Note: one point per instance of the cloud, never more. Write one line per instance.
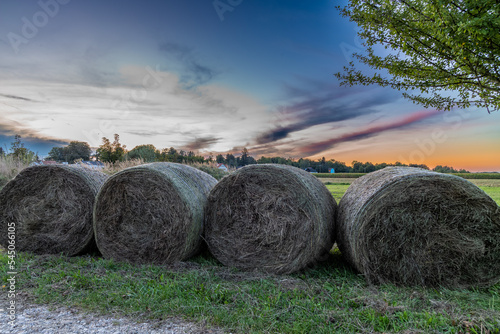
(16, 97)
(179, 50)
(33, 140)
(317, 109)
(193, 72)
(315, 148)
(201, 143)
(10, 128)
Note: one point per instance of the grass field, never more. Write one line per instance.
(329, 298)
(326, 299)
(339, 186)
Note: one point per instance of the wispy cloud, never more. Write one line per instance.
(315, 148)
(211, 117)
(194, 73)
(201, 143)
(35, 141)
(16, 97)
(321, 108)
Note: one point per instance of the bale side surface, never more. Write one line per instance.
(152, 213)
(411, 226)
(273, 218)
(51, 208)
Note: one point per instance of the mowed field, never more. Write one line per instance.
(339, 186)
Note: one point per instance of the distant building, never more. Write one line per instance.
(222, 167)
(310, 170)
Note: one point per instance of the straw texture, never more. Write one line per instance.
(51, 208)
(152, 213)
(272, 218)
(412, 226)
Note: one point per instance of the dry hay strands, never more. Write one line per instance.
(411, 226)
(49, 209)
(273, 218)
(152, 213)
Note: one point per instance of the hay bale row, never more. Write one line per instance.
(152, 213)
(411, 226)
(274, 218)
(402, 225)
(51, 209)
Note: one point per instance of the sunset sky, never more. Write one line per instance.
(215, 76)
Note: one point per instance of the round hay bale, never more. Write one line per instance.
(412, 226)
(50, 209)
(152, 213)
(273, 218)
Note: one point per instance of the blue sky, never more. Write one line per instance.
(214, 76)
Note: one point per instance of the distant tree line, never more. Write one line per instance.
(114, 151)
(234, 162)
(19, 152)
(73, 152)
(322, 165)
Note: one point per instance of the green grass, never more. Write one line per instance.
(339, 175)
(356, 175)
(337, 190)
(490, 186)
(473, 176)
(325, 299)
(494, 192)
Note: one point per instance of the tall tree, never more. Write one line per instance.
(231, 160)
(105, 151)
(111, 152)
(119, 150)
(21, 153)
(435, 46)
(77, 150)
(244, 157)
(219, 158)
(57, 154)
(148, 153)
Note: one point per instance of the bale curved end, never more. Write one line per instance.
(412, 226)
(273, 218)
(152, 213)
(50, 209)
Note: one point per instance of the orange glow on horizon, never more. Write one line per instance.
(470, 157)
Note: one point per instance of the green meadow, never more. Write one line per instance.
(338, 186)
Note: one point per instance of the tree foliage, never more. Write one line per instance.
(435, 46)
(57, 154)
(447, 169)
(148, 153)
(76, 150)
(111, 152)
(21, 153)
